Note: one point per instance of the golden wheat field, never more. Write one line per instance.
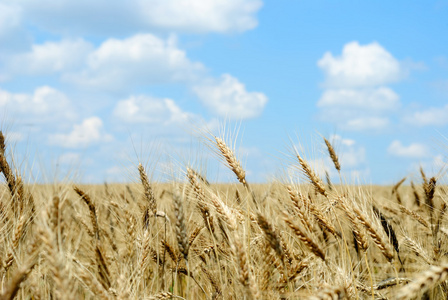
(193, 239)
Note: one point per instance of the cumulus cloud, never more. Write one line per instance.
(377, 99)
(228, 97)
(437, 116)
(90, 131)
(360, 66)
(202, 15)
(51, 57)
(145, 109)
(355, 96)
(122, 17)
(359, 109)
(366, 123)
(140, 59)
(46, 104)
(414, 150)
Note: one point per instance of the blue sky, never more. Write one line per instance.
(90, 89)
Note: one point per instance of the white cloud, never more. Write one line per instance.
(414, 150)
(366, 123)
(10, 17)
(360, 66)
(431, 116)
(51, 57)
(145, 109)
(90, 131)
(358, 109)
(44, 105)
(202, 15)
(229, 98)
(122, 17)
(378, 99)
(140, 59)
(355, 97)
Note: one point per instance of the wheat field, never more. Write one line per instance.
(192, 239)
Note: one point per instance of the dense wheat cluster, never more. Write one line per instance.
(192, 239)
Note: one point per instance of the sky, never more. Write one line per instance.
(89, 89)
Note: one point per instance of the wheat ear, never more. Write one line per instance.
(424, 282)
(6, 169)
(103, 269)
(374, 234)
(18, 277)
(389, 230)
(416, 195)
(315, 180)
(2, 143)
(297, 199)
(271, 236)
(148, 192)
(333, 155)
(418, 250)
(358, 234)
(397, 185)
(235, 166)
(245, 277)
(429, 189)
(200, 195)
(331, 293)
(414, 215)
(92, 210)
(181, 228)
(18, 233)
(424, 178)
(312, 246)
